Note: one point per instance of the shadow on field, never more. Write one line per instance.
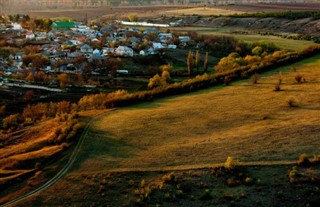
(99, 145)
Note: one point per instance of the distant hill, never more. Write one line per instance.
(24, 5)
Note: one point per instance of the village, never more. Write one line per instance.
(75, 48)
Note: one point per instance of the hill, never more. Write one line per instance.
(130, 152)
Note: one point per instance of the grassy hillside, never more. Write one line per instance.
(288, 44)
(161, 153)
(248, 121)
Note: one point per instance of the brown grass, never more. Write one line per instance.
(208, 126)
(203, 11)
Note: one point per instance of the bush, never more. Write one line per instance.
(255, 78)
(231, 163)
(293, 175)
(298, 78)
(303, 160)
(206, 195)
(277, 87)
(292, 102)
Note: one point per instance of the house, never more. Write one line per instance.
(184, 39)
(74, 54)
(40, 36)
(16, 26)
(157, 45)
(165, 37)
(124, 51)
(150, 30)
(172, 46)
(30, 35)
(108, 51)
(75, 42)
(150, 51)
(16, 56)
(86, 48)
(96, 52)
(63, 25)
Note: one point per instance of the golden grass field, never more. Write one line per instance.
(289, 44)
(205, 11)
(250, 122)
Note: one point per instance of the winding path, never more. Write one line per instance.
(82, 138)
(61, 173)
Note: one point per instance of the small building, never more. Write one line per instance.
(157, 45)
(63, 25)
(30, 35)
(96, 52)
(124, 51)
(86, 48)
(184, 39)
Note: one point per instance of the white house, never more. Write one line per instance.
(96, 52)
(184, 39)
(30, 35)
(86, 48)
(172, 46)
(157, 45)
(107, 51)
(75, 42)
(124, 51)
(16, 26)
(149, 51)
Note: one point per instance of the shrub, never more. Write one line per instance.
(230, 163)
(232, 182)
(277, 87)
(292, 102)
(248, 181)
(298, 78)
(303, 160)
(169, 178)
(255, 78)
(293, 175)
(206, 195)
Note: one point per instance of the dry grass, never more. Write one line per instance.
(245, 121)
(204, 11)
(288, 44)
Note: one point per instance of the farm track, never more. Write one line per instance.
(61, 173)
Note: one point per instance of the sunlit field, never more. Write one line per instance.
(250, 122)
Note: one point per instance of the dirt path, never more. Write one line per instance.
(62, 172)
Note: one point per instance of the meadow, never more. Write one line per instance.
(250, 122)
(289, 44)
(167, 152)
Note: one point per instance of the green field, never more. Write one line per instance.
(288, 44)
(250, 122)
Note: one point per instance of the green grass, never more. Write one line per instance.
(288, 44)
(249, 122)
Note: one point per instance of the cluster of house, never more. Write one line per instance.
(69, 40)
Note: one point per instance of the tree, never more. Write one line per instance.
(205, 64)
(28, 95)
(190, 63)
(11, 121)
(63, 80)
(2, 110)
(155, 81)
(78, 79)
(133, 18)
(197, 60)
(30, 77)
